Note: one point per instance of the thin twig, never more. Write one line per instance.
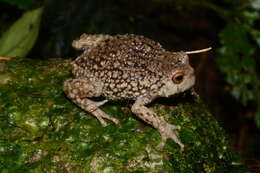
(4, 58)
(198, 51)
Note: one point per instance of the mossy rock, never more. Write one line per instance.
(43, 131)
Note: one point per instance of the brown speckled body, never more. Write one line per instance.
(128, 67)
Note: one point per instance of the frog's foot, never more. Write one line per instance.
(167, 132)
(100, 115)
(93, 108)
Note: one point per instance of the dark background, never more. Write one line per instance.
(230, 28)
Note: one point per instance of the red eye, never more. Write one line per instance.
(178, 78)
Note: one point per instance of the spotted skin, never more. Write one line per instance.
(128, 67)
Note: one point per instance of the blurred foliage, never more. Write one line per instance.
(91, 16)
(24, 4)
(18, 40)
(239, 42)
(43, 131)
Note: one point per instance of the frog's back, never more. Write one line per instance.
(128, 65)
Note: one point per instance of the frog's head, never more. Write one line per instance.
(181, 75)
(180, 78)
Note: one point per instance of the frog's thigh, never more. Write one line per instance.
(81, 88)
(78, 90)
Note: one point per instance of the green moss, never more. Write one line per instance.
(42, 131)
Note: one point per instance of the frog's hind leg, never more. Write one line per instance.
(78, 90)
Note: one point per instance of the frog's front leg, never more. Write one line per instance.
(78, 90)
(166, 130)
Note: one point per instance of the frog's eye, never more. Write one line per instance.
(178, 77)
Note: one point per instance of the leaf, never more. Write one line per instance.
(255, 4)
(256, 35)
(18, 40)
(257, 118)
(23, 5)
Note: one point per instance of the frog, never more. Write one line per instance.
(128, 67)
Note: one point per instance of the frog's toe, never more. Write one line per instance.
(167, 131)
(98, 104)
(101, 115)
